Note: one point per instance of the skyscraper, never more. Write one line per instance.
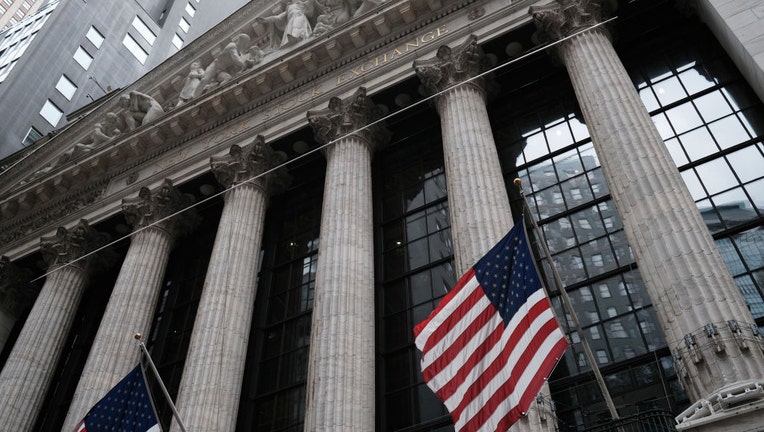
(66, 55)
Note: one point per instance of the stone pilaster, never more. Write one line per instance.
(340, 393)
(477, 195)
(29, 369)
(133, 300)
(16, 295)
(212, 376)
(702, 312)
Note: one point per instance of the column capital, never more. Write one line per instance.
(16, 292)
(69, 245)
(151, 206)
(243, 163)
(562, 18)
(347, 116)
(452, 66)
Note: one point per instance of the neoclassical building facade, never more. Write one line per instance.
(277, 205)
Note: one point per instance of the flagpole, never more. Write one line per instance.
(569, 307)
(161, 384)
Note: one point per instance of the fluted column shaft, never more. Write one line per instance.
(683, 271)
(130, 309)
(341, 391)
(28, 372)
(133, 300)
(211, 384)
(340, 378)
(477, 194)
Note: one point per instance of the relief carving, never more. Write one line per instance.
(139, 109)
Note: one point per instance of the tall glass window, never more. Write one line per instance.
(713, 125)
(542, 138)
(415, 267)
(273, 394)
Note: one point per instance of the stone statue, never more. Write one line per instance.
(193, 79)
(254, 56)
(112, 125)
(297, 27)
(139, 109)
(292, 24)
(229, 62)
(274, 27)
(333, 13)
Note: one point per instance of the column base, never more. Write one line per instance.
(736, 407)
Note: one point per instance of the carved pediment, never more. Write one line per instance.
(231, 70)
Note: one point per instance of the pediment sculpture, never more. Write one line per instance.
(287, 23)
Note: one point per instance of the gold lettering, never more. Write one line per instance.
(289, 103)
(340, 79)
(427, 37)
(363, 66)
(442, 30)
(414, 44)
(302, 97)
(314, 92)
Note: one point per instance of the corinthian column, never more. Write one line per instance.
(702, 312)
(340, 393)
(133, 300)
(477, 196)
(29, 369)
(211, 383)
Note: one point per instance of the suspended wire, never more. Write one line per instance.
(321, 147)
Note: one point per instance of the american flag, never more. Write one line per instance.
(493, 340)
(126, 408)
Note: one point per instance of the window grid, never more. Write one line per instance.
(279, 397)
(417, 271)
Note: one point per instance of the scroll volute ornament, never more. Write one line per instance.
(452, 66)
(68, 246)
(354, 115)
(152, 207)
(564, 17)
(246, 164)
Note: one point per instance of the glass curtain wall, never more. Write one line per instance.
(273, 393)
(414, 270)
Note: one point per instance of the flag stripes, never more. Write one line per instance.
(485, 366)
